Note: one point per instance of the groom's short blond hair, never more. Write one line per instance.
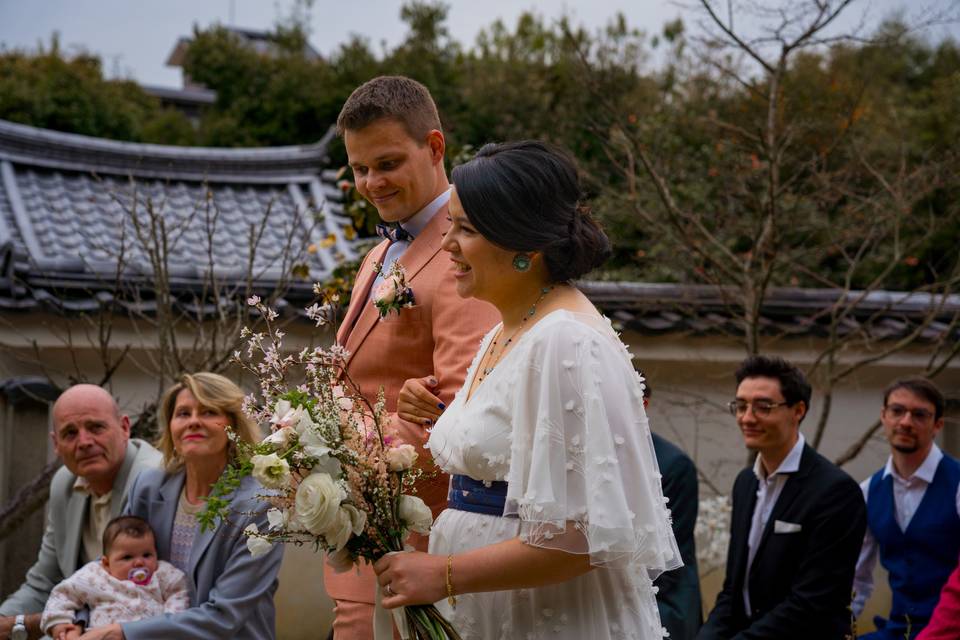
(391, 98)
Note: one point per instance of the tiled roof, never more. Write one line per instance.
(704, 310)
(71, 206)
(68, 204)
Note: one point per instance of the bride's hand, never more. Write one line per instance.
(417, 404)
(411, 577)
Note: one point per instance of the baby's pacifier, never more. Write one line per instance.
(139, 575)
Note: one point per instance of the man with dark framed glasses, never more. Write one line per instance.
(797, 525)
(913, 511)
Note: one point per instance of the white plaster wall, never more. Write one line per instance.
(692, 380)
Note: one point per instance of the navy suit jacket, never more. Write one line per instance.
(801, 581)
(678, 597)
(231, 592)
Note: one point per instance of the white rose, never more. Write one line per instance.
(281, 438)
(401, 457)
(271, 471)
(415, 514)
(256, 544)
(386, 292)
(341, 560)
(339, 534)
(318, 502)
(277, 518)
(350, 521)
(358, 519)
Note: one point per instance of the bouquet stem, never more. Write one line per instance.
(426, 623)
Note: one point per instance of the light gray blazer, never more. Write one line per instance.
(59, 553)
(231, 593)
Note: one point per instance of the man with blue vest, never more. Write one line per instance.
(913, 511)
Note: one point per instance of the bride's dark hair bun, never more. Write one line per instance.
(526, 196)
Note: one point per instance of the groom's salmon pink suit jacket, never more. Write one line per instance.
(438, 336)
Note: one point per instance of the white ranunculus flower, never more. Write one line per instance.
(281, 438)
(358, 519)
(318, 502)
(350, 522)
(256, 544)
(277, 518)
(341, 561)
(401, 457)
(339, 534)
(415, 514)
(271, 471)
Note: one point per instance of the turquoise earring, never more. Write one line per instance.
(521, 262)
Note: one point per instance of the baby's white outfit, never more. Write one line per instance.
(112, 600)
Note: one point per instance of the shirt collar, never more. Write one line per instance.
(419, 221)
(81, 485)
(925, 471)
(790, 464)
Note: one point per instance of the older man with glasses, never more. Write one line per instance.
(913, 511)
(797, 525)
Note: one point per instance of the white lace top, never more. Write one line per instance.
(561, 420)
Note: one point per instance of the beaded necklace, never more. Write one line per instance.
(523, 323)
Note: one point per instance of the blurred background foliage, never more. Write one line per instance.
(859, 110)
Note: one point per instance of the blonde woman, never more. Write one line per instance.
(232, 592)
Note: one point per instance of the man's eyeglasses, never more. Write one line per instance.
(898, 411)
(760, 407)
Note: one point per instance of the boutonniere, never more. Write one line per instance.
(393, 293)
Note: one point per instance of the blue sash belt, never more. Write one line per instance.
(467, 494)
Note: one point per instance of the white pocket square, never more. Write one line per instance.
(779, 526)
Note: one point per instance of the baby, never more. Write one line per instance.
(128, 583)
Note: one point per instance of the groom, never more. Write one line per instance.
(395, 147)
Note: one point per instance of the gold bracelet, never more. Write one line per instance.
(451, 599)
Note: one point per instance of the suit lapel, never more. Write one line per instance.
(76, 510)
(164, 509)
(123, 480)
(200, 544)
(424, 247)
(359, 297)
(740, 529)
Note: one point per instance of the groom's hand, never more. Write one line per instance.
(417, 404)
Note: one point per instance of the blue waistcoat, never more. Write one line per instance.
(920, 559)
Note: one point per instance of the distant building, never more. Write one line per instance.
(192, 96)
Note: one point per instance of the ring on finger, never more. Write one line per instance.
(389, 590)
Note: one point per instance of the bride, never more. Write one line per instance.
(556, 523)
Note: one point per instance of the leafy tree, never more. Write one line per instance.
(53, 91)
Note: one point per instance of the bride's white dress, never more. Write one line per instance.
(561, 420)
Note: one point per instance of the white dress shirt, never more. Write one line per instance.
(768, 492)
(412, 225)
(98, 515)
(907, 494)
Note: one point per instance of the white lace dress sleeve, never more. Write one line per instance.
(583, 476)
(561, 420)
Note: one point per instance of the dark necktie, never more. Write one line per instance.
(393, 232)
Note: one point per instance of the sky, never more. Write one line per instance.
(135, 37)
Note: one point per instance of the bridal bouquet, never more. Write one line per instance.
(338, 479)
